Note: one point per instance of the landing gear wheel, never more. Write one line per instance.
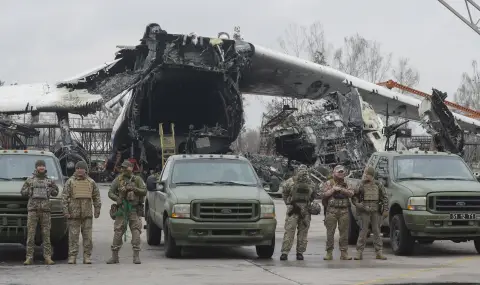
(353, 229)
(154, 233)
(266, 251)
(426, 241)
(477, 245)
(60, 249)
(401, 241)
(171, 248)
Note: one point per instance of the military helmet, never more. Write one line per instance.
(314, 208)
(370, 171)
(126, 164)
(40, 162)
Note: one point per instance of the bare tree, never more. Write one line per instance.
(293, 40)
(404, 74)
(468, 93)
(362, 58)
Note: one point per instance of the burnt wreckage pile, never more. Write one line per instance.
(329, 133)
(187, 80)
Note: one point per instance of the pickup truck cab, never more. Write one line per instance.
(433, 196)
(15, 167)
(209, 200)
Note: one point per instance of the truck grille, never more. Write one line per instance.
(13, 205)
(450, 203)
(225, 212)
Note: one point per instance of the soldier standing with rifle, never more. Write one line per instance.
(297, 193)
(371, 201)
(127, 191)
(335, 196)
(39, 188)
(79, 195)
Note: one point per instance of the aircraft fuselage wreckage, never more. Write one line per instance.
(183, 92)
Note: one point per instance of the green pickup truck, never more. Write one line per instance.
(15, 167)
(433, 196)
(209, 200)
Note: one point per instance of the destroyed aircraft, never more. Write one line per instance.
(187, 80)
(194, 82)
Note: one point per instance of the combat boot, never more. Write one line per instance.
(136, 257)
(28, 261)
(329, 255)
(72, 259)
(299, 256)
(344, 255)
(114, 258)
(359, 256)
(380, 256)
(49, 261)
(283, 256)
(87, 259)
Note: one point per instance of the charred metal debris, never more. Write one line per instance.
(163, 67)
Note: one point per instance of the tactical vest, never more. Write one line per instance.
(371, 196)
(82, 189)
(301, 192)
(338, 200)
(40, 188)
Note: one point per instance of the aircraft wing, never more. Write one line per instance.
(277, 74)
(82, 94)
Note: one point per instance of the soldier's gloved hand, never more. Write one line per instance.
(385, 214)
(119, 201)
(96, 214)
(129, 187)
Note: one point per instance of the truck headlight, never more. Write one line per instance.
(417, 204)
(181, 211)
(267, 211)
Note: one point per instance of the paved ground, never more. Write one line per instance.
(440, 262)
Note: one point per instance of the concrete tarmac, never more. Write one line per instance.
(442, 261)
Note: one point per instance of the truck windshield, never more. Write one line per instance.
(431, 168)
(19, 166)
(214, 171)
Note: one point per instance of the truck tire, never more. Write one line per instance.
(154, 233)
(401, 241)
(353, 229)
(266, 251)
(477, 245)
(171, 248)
(60, 249)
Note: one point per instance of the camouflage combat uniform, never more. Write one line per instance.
(371, 201)
(79, 194)
(39, 188)
(298, 192)
(335, 196)
(128, 191)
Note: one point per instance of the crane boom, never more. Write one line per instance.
(470, 5)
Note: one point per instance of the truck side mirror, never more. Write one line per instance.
(151, 183)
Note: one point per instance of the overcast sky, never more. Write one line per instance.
(47, 41)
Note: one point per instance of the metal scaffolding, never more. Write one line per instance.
(471, 6)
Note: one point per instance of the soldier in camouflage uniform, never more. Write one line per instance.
(335, 196)
(371, 201)
(298, 192)
(39, 188)
(128, 191)
(79, 194)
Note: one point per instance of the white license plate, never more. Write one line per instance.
(463, 216)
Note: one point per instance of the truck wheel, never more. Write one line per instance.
(477, 245)
(154, 233)
(266, 251)
(171, 248)
(60, 249)
(353, 229)
(401, 240)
